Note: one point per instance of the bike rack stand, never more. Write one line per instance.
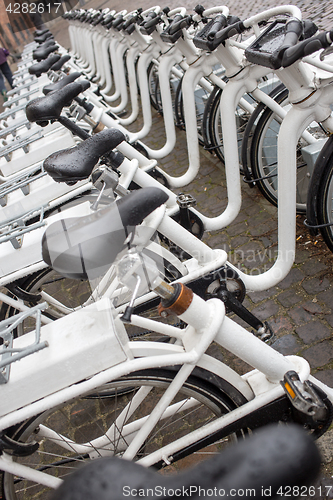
(8, 354)
(14, 230)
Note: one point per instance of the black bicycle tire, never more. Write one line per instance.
(249, 130)
(257, 173)
(153, 79)
(216, 140)
(206, 119)
(324, 188)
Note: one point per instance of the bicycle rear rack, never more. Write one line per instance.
(9, 354)
(13, 129)
(20, 97)
(15, 230)
(20, 143)
(21, 87)
(20, 181)
(10, 112)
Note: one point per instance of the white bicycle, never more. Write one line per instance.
(81, 390)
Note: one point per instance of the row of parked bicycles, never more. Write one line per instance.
(110, 298)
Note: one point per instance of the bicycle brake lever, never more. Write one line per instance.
(326, 52)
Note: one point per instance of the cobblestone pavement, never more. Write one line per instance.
(300, 308)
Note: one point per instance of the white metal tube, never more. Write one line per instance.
(275, 11)
(190, 79)
(107, 69)
(113, 435)
(187, 241)
(114, 64)
(279, 111)
(9, 278)
(120, 78)
(206, 331)
(97, 380)
(220, 9)
(163, 403)
(8, 465)
(164, 69)
(292, 126)
(253, 351)
(16, 304)
(172, 410)
(133, 86)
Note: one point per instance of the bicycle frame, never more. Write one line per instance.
(234, 88)
(260, 386)
(206, 323)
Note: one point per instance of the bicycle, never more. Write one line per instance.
(281, 268)
(282, 265)
(233, 403)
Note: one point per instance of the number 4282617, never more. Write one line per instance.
(32, 8)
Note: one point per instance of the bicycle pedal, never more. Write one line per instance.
(306, 398)
(186, 200)
(265, 333)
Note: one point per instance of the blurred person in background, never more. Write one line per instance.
(5, 71)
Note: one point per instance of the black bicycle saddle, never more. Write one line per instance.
(42, 53)
(49, 107)
(43, 66)
(49, 42)
(75, 164)
(52, 87)
(58, 65)
(42, 38)
(85, 247)
(39, 33)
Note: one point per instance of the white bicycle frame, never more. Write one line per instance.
(39, 384)
(286, 249)
(167, 57)
(206, 322)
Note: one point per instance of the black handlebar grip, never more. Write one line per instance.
(234, 29)
(294, 30)
(199, 9)
(150, 16)
(152, 22)
(233, 20)
(118, 21)
(130, 20)
(175, 20)
(107, 19)
(183, 23)
(307, 47)
(219, 22)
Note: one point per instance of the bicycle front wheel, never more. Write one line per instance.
(215, 126)
(264, 156)
(105, 422)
